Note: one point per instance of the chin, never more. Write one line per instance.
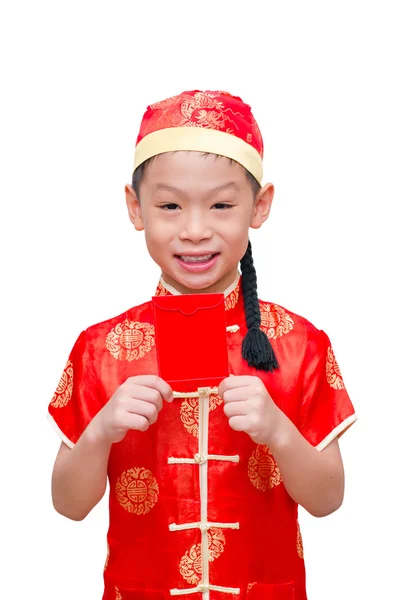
(199, 283)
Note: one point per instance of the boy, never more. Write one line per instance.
(204, 493)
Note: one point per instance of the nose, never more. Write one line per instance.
(195, 227)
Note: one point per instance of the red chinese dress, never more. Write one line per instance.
(198, 510)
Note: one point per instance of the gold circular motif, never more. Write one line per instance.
(130, 340)
(263, 471)
(274, 320)
(190, 412)
(137, 490)
(334, 376)
(190, 566)
(299, 544)
(190, 415)
(63, 393)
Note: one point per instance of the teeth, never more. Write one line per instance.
(194, 259)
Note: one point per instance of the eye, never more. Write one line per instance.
(170, 206)
(222, 206)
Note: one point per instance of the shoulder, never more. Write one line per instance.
(136, 318)
(277, 321)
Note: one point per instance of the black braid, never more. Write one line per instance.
(257, 349)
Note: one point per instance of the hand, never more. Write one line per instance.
(250, 408)
(135, 405)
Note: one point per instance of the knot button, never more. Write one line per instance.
(200, 458)
(204, 391)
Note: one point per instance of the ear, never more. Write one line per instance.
(134, 209)
(263, 203)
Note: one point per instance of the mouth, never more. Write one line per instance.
(197, 263)
(196, 258)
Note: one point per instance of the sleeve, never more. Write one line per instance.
(77, 398)
(326, 411)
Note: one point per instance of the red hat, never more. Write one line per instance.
(214, 122)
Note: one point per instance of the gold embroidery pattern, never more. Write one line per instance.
(190, 566)
(130, 340)
(232, 298)
(107, 557)
(190, 412)
(63, 393)
(216, 543)
(137, 490)
(334, 376)
(299, 544)
(274, 320)
(118, 595)
(185, 110)
(161, 291)
(263, 471)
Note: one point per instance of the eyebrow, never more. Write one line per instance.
(172, 188)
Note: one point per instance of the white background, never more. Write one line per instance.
(76, 78)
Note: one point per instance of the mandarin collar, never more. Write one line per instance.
(232, 293)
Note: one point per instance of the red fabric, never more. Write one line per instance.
(206, 109)
(264, 557)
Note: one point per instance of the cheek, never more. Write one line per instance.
(236, 237)
(236, 229)
(157, 235)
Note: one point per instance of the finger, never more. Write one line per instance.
(239, 394)
(237, 381)
(155, 382)
(141, 392)
(235, 409)
(143, 409)
(240, 423)
(137, 422)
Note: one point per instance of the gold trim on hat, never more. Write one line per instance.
(198, 139)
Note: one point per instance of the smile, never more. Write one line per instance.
(196, 259)
(197, 263)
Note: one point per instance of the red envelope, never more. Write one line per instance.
(191, 340)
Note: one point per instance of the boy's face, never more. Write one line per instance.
(196, 212)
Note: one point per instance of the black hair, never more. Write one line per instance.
(257, 349)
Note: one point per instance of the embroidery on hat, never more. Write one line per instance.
(334, 376)
(64, 390)
(200, 110)
(137, 490)
(130, 340)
